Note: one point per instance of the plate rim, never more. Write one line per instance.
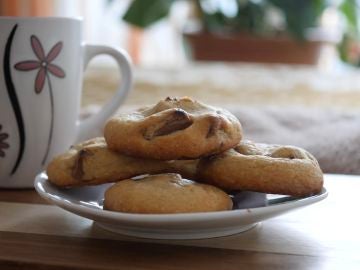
(169, 218)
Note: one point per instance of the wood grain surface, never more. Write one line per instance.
(23, 195)
(37, 235)
(56, 252)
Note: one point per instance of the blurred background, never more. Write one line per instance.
(288, 69)
(167, 33)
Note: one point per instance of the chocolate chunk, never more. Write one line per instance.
(175, 121)
(171, 99)
(78, 170)
(178, 120)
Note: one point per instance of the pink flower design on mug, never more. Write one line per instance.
(3, 144)
(45, 68)
(43, 64)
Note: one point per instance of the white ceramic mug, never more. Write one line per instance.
(42, 62)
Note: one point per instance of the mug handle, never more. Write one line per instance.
(85, 128)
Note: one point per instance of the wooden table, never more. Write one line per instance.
(36, 235)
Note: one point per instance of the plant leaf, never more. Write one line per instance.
(143, 13)
(300, 15)
(349, 10)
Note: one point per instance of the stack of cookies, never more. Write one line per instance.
(152, 152)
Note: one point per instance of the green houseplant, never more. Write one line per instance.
(248, 33)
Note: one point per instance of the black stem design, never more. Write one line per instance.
(14, 99)
(52, 119)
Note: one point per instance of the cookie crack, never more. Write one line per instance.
(216, 124)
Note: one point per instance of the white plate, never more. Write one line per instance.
(87, 202)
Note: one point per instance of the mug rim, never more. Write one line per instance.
(47, 18)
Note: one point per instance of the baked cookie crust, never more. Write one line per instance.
(174, 129)
(165, 194)
(267, 168)
(92, 163)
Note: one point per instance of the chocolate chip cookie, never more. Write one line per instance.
(165, 194)
(92, 163)
(173, 129)
(264, 168)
